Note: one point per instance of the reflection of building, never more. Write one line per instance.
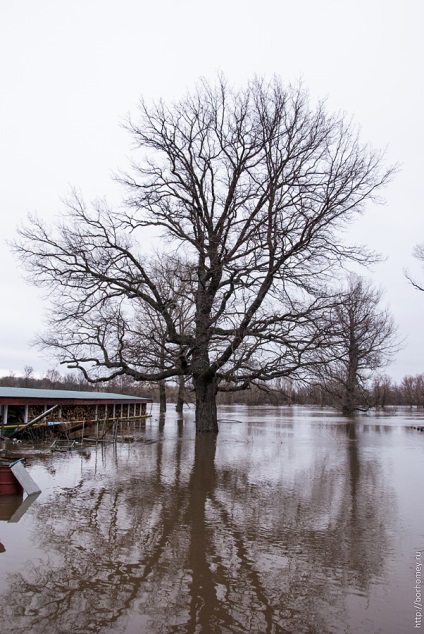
(20, 407)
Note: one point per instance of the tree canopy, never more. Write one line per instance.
(249, 190)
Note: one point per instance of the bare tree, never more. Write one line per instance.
(28, 376)
(362, 338)
(412, 390)
(418, 252)
(382, 391)
(251, 187)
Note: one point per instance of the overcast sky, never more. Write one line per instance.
(72, 71)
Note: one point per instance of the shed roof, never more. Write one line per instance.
(25, 395)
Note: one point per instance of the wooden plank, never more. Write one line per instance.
(24, 479)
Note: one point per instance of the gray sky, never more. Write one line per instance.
(72, 71)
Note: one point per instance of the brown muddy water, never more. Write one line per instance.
(291, 520)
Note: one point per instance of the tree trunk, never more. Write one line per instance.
(350, 390)
(162, 397)
(162, 388)
(348, 407)
(206, 412)
(350, 400)
(181, 392)
(351, 385)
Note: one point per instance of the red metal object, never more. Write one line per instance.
(9, 485)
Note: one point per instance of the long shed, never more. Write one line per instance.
(21, 406)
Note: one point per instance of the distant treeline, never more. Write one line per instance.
(381, 392)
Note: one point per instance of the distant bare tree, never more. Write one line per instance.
(382, 390)
(251, 187)
(27, 378)
(418, 252)
(412, 390)
(362, 338)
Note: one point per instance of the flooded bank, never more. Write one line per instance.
(291, 520)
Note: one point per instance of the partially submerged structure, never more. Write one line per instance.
(22, 409)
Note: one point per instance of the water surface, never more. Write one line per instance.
(291, 520)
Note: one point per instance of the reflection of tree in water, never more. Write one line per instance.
(308, 544)
(103, 542)
(195, 547)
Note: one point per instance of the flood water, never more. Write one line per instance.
(291, 520)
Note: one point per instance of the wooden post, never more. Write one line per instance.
(104, 422)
